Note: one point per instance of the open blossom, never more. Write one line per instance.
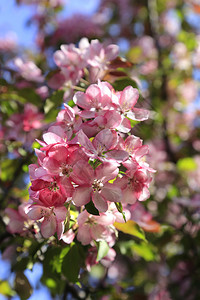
(102, 146)
(93, 227)
(18, 218)
(52, 219)
(28, 70)
(101, 96)
(66, 123)
(94, 184)
(71, 62)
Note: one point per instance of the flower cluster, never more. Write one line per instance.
(72, 62)
(87, 167)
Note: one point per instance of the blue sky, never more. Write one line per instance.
(13, 18)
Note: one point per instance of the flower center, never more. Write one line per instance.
(97, 185)
(65, 170)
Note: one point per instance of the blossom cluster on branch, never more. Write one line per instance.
(91, 169)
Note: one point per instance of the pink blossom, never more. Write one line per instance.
(100, 55)
(71, 61)
(52, 219)
(102, 146)
(17, 219)
(96, 98)
(28, 70)
(67, 122)
(93, 184)
(53, 192)
(134, 184)
(93, 227)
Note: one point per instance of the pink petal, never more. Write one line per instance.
(132, 142)
(96, 231)
(105, 140)
(68, 236)
(48, 227)
(83, 173)
(128, 98)
(60, 229)
(99, 202)
(138, 114)
(51, 165)
(111, 52)
(106, 171)
(125, 125)
(94, 93)
(82, 217)
(105, 219)
(85, 142)
(37, 212)
(144, 195)
(52, 138)
(83, 235)
(118, 155)
(61, 213)
(141, 151)
(128, 197)
(111, 193)
(82, 195)
(82, 100)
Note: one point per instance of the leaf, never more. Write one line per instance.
(30, 96)
(121, 83)
(102, 250)
(130, 227)
(52, 104)
(51, 263)
(186, 164)
(8, 167)
(22, 286)
(120, 62)
(72, 263)
(144, 250)
(151, 226)
(91, 209)
(5, 289)
(120, 209)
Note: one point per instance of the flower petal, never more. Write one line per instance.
(99, 202)
(82, 195)
(111, 193)
(48, 227)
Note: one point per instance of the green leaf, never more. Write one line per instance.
(120, 209)
(30, 96)
(121, 83)
(130, 227)
(8, 167)
(51, 263)
(52, 104)
(22, 286)
(102, 250)
(144, 250)
(72, 263)
(186, 164)
(91, 209)
(5, 289)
